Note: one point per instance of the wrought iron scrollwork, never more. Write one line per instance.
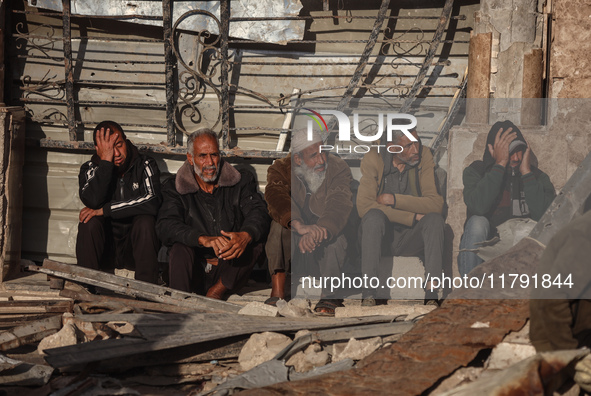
(197, 80)
(43, 43)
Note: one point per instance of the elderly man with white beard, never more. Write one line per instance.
(309, 206)
(212, 219)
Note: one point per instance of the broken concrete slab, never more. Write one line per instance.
(410, 311)
(436, 346)
(66, 336)
(256, 308)
(260, 348)
(506, 354)
(290, 310)
(356, 349)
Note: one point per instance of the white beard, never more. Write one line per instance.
(312, 179)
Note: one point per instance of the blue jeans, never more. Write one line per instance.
(477, 229)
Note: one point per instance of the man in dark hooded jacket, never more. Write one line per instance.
(503, 186)
(120, 189)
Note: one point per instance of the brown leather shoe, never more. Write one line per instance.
(217, 291)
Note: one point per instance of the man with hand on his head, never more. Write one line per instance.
(120, 189)
(213, 219)
(504, 185)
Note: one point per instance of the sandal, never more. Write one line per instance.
(327, 307)
(272, 301)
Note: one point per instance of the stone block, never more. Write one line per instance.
(356, 349)
(290, 310)
(506, 354)
(260, 348)
(257, 308)
(65, 337)
(309, 359)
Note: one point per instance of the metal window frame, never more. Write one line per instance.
(171, 61)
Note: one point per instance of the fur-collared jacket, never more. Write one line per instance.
(331, 203)
(188, 212)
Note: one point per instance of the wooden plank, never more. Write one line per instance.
(18, 307)
(479, 61)
(134, 287)
(227, 348)
(165, 331)
(29, 333)
(144, 305)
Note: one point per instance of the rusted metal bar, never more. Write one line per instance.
(225, 88)
(353, 41)
(98, 38)
(97, 103)
(94, 60)
(67, 37)
(443, 63)
(59, 14)
(443, 21)
(170, 61)
(306, 17)
(181, 152)
(371, 42)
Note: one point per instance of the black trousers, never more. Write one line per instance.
(187, 273)
(132, 244)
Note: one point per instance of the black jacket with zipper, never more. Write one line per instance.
(122, 196)
(188, 212)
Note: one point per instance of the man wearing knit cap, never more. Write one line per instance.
(504, 185)
(309, 198)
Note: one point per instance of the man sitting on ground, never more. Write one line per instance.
(121, 190)
(503, 186)
(213, 219)
(400, 207)
(309, 198)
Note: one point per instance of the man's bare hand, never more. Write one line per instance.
(500, 149)
(236, 245)
(419, 216)
(105, 144)
(318, 233)
(86, 214)
(525, 167)
(386, 199)
(214, 242)
(307, 244)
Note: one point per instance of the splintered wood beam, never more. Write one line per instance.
(29, 333)
(133, 287)
(166, 331)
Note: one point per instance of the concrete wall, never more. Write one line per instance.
(570, 62)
